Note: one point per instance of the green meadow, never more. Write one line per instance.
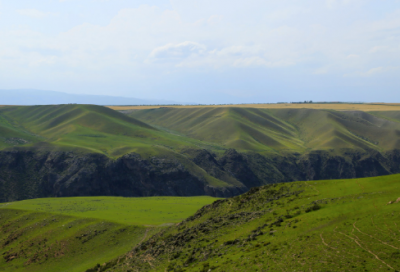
(75, 234)
(152, 211)
(331, 225)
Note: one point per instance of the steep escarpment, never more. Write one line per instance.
(253, 169)
(26, 174)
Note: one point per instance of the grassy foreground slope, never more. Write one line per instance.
(133, 211)
(334, 225)
(74, 234)
(295, 130)
(91, 128)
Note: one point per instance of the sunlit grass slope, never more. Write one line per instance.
(95, 129)
(296, 130)
(39, 242)
(165, 130)
(250, 129)
(75, 234)
(137, 211)
(333, 225)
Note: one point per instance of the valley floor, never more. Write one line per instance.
(75, 234)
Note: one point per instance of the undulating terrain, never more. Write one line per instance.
(332, 225)
(68, 175)
(87, 150)
(328, 225)
(75, 234)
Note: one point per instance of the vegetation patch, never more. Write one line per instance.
(136, 211)
(76, 234)
(336, 225)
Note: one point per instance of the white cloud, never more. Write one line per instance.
(191, 54)
(209, 35)
(153, 36)
(336, 3)
(375, 71)
(177, 51)
(321, 71)
(376, 49)
(34, 13)
(352, 56)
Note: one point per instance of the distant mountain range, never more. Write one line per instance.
(39, 97)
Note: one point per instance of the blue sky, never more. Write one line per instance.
(204, 51)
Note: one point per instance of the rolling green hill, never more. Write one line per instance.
(12, 134)
(277, 130)
(91, 128)
(163, 130)
(86, 150)
(333, 225)
(232, 127)
(74, 234)
(54, 137)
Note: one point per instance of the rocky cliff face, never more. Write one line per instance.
(253, 169)
(27, 174)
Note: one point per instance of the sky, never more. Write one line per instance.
(204, 51)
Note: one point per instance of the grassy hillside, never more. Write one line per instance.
(12, 134)
(165, 130)
(74, 234)
(295, 130)
(94, 129)
(335, 225)
(136, 211)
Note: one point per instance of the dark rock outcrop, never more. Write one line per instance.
(27, 174)
(253, 169)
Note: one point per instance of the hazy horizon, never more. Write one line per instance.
(204, 52)
(30, 97)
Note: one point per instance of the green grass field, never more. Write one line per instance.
(130, 211)
(75, 234)
(332, 225)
